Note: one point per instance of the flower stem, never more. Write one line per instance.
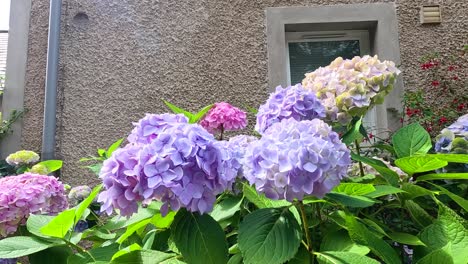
(306, 227)
(222, 131)
(361, 168)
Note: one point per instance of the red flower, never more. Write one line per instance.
(429, 64)
(435, 83)
(442, 120)
(460, 107)
(371, 135)
(455, 78)
(451, 68)
(429, 129)
(409, 112)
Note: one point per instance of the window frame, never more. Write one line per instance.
(379, 18)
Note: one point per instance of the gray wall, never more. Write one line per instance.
(117, 64)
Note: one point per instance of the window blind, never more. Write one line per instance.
(307, 56)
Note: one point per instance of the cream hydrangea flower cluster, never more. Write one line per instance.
(350, 88)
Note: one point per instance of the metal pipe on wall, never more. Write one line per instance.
(50, 102)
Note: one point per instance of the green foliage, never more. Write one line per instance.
(51, 165)
(57, 255)
(339, 257)
(365, 219)
(226, 208)
(260, 200)
(411, 140)
(417, 164)
(361, 235)
(340, 241)
(104, 253)
(5, 126)
(354, 188)
(269, 236)
(103, 154)
(199, 238)
(443, 176)
(353, 134)
(192, 117)
(18, 246)
(387, 174)
(448, 233)
(418, 214)
(60, 225)
(147, 257)
(351, 200)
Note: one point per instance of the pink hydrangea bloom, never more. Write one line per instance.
(26, 194)
(224, 116)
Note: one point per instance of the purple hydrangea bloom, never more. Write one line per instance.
(27, 194)
(234, 151)
(151, 125)
(182, 167)
(460, 127)
(81, 226)
(9, 261)
(443, 144)
(296, 158)
(290, 102)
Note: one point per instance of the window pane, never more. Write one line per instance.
(307, 56)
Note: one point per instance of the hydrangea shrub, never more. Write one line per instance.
(286, 195)
(26, 194)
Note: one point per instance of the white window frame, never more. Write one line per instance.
(320, 36)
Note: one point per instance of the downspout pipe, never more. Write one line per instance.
(51, 80)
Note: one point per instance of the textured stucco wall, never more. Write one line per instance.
(118, 63)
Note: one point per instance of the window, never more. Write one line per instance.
(303, 38)
(306, 51)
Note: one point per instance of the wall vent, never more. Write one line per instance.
(430, 14)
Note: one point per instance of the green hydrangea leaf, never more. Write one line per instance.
(411, 140)
(199, 238)
(269, 236)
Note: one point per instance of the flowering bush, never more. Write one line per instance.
(284, 197)
(350, 88)
(224, 117)
(290, 102)
(26, 194)
(443, 97)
